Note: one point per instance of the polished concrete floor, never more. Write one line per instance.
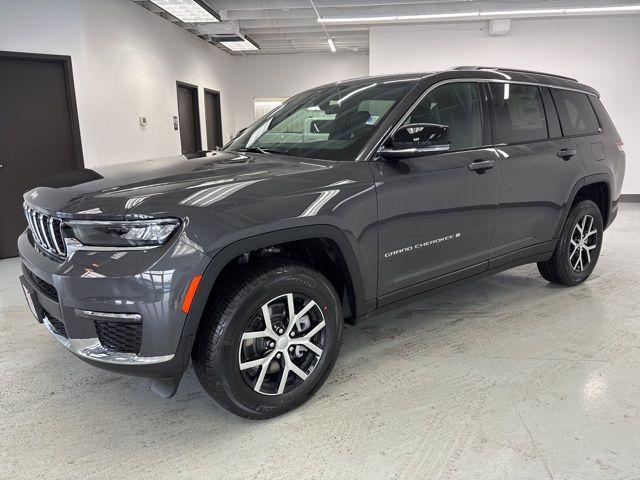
(506, 378)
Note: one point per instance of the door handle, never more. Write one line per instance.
(480, 166)
(567, 153)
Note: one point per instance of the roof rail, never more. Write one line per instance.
(513, 70)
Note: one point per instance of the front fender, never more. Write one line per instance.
(347, 248)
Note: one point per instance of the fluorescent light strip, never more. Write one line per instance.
(332, 45)
(622, 8)
(437, 15)
(499, 13)
(188, 11)
(550, 11)
(357, 19)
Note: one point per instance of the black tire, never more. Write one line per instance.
(216, 353)
(559, 269)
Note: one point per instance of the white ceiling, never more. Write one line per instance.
(291, 26)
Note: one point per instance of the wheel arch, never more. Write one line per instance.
(234, 250)
(590, 184)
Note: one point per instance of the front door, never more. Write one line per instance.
(437, 215)
(38, 136)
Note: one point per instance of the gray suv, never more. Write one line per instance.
(249, 259)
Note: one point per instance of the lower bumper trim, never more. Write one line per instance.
(90, 348)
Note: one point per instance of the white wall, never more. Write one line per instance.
(285, 75)
(126, 62)
(603, 52)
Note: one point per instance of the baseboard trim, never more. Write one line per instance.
(630, 197)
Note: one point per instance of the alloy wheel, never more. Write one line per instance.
(584, 239)
(282, 344)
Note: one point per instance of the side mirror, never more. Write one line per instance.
(415, 140)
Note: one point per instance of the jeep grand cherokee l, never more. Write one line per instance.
(248, 260)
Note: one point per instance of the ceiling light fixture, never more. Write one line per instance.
(549, 11)
(484, 14)
(188, 11)
(435, 16)
(332, 46)
(356, 19)
(240, 45)
(613, 9)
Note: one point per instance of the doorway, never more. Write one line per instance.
(213, 118)
(189, 118)
(39, 132)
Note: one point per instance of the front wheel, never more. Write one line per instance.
(270, 341)
(578, 247)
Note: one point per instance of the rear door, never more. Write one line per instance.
(436, 215)
(538, 167)
(579, 121)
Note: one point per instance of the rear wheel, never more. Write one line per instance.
(271, 340)
(578, 247)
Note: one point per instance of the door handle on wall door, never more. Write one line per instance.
(480, 166)
(567, 153)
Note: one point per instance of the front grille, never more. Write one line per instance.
(49, 289)
(46, 231)
(57, 325)
(121, 337)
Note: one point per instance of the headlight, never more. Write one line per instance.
(134, 233)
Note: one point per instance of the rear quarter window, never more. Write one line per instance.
(575, 112)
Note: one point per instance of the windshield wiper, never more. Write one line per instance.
(263, 150)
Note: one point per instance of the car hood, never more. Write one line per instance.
(114, 191)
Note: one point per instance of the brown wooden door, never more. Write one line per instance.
(213, 119)
(38, 132)
(189, 118)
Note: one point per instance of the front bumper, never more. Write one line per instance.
(145, 287)
(91, 349)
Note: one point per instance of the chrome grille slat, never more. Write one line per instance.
(56, 245)
(43, 231)
(29, 220)
(36, 230)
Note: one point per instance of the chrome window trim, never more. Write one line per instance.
(384, 138)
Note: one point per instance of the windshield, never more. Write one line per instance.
(331, 123)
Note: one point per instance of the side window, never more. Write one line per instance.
(517, 113)
(575, 111)
(456, 105)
